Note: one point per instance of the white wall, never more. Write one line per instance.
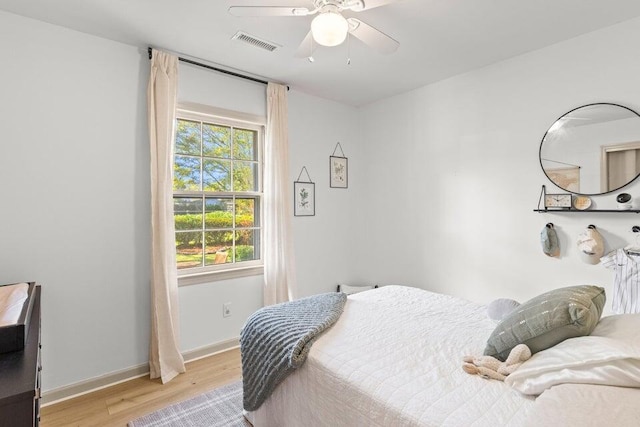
(324, 244)
(74, 186)
(454, 173)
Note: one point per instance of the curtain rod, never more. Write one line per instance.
(220, 70)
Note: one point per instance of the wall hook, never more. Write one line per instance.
(635, 229)
(591, 226)
(550, 225)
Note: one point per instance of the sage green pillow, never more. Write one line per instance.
(547, 320)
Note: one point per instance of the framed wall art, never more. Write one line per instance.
(304, 196)
(338, 169)
(567, 178)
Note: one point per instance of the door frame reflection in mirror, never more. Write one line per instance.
(566, 168)
(630, 152)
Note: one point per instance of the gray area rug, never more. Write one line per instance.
(216, 408)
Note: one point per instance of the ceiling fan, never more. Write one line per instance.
(329, 27)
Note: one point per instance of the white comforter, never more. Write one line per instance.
(394, 359)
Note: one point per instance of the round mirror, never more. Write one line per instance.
(593, 149)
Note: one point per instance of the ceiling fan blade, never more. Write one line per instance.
(269, 11)
(372, 37)
(307, 47)
(359, 5)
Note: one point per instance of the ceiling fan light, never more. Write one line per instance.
(329, 29)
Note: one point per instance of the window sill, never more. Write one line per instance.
(216, 276)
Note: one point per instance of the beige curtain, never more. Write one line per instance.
(279, 273)
(165, 360)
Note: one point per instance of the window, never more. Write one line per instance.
(217, 194)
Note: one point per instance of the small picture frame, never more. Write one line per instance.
(304, 198)
(338, 172)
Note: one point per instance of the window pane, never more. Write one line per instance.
(187, 213)
(219, 244)
(247, 248)
(244, 144)
(188, 137)
(245, 176)
(216, 141)
(216, 221)
(186, 173)
(247, 214)
(189, 249)
(216, 175)
(218, 212)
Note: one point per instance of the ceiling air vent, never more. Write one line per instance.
(255, 41)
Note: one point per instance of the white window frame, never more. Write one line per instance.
(212, 273)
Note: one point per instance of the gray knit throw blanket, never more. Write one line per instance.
(276, 340)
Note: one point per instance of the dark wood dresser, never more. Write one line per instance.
(20, 378)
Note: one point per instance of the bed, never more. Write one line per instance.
(394, 359)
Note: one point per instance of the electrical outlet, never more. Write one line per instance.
(226, 309)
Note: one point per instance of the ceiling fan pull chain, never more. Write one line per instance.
(311, 58)
(348, 48)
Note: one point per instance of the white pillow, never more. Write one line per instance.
(609, 356)
(499, 308)
(585, 405)
(354, 289)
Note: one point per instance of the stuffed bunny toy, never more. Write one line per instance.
(490, 367)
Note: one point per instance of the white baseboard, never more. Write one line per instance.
(83, 387)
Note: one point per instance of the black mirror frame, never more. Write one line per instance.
(569, 112)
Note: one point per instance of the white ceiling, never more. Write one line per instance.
(438, 38)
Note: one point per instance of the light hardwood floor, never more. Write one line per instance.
(118, 404)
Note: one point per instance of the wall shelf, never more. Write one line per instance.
(585, 211)
(543, 194)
